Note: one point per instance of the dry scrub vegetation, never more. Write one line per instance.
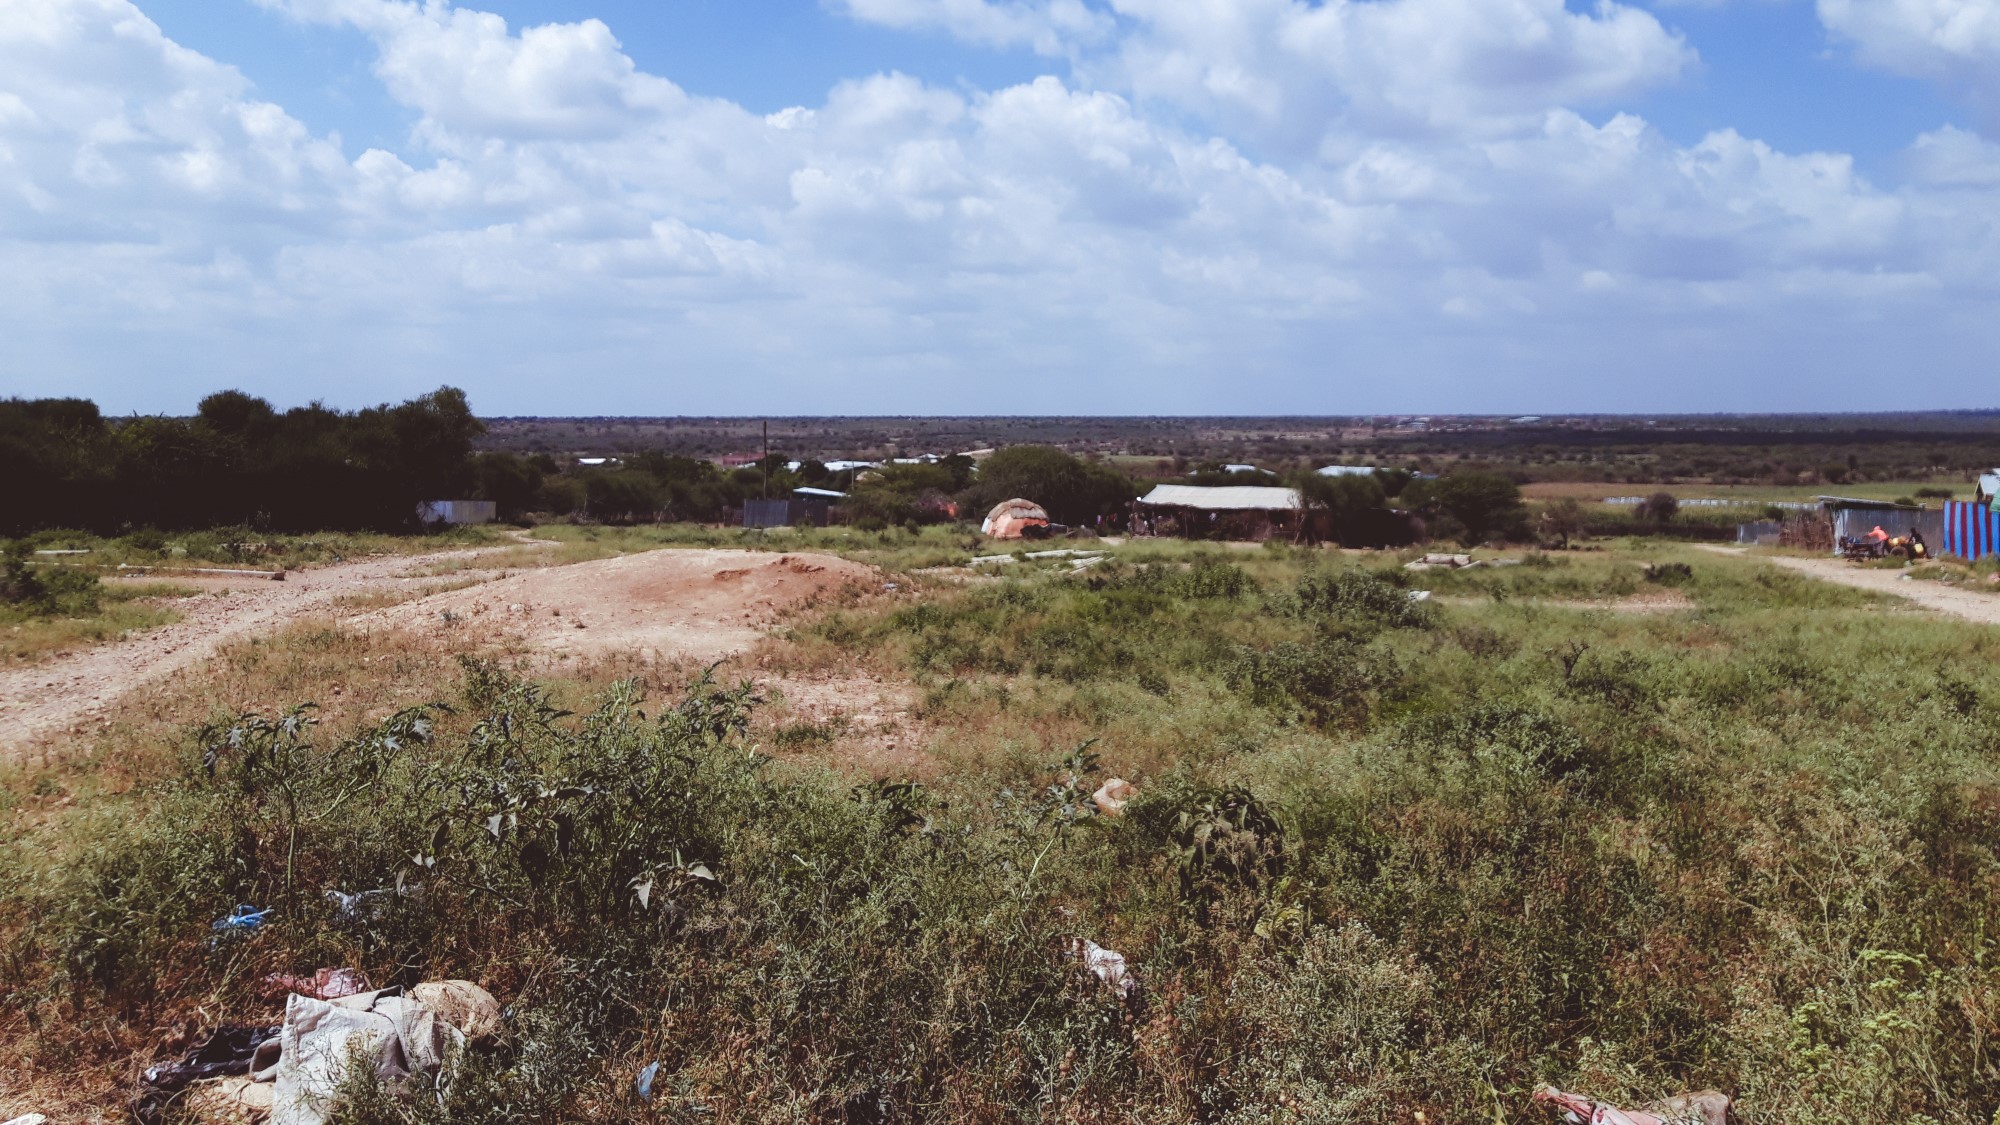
(1388, 857)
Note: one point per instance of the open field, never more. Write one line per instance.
(1388, 856)
(1748, 494)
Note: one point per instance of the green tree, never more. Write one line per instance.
(1660, 507)
(1478, 504)
(1349, 507)
(1562, 519)
(1071, 489)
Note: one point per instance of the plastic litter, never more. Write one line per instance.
(1420, 595)
(28, 1119)
(361, 905)
(1703, 1107)
(326, 984)
(242, 920)
(1112, 796)
(643, 1085)
(1107, 965)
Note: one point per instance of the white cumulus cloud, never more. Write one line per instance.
(1257, 205)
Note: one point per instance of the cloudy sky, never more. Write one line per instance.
(1018, 206)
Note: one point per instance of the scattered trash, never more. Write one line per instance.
(29, 1119)
(1420, 595)
(889, 586)
(1106, 965)
(1433, 562)
(361, 906)
(401, 1036)
(242, 920)
(230, 1101)
(326, 984)
(292, 1071)
(1112, 796)
(462, 1004)
(644, 1083)
(229, 1051)
(1703, 1107)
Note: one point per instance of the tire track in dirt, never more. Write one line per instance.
(43, 699)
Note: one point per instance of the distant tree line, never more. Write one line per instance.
(236, 461)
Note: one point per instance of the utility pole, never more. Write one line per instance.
(766, 462)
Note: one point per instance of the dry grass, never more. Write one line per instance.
(125, 609)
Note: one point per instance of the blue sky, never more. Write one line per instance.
(903, 206)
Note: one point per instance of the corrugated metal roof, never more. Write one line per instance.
(1230, 498)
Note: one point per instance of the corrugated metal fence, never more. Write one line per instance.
(1854, 523)
(1971, 531)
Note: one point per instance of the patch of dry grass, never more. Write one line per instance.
(123, 609)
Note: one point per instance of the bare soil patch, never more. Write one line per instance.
(865, 722)
(664, 605)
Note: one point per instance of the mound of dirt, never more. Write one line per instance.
(672, 604)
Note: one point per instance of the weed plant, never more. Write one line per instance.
(1387, 858)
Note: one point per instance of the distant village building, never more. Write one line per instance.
(1988, 488)
(1252, 512)
(456, 513)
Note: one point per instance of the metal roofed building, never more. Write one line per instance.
(1226, 512)
(1988, 488)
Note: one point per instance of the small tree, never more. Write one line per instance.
(1563, 519)
(1483, 503)
(1346, 505)
(1660, 507)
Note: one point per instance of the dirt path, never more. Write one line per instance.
(40, 699)
(694, 604)
(1971, 605)
(699, 604)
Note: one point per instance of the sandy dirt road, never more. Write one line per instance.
(1971, 605)
(701, 604)
(696, 604)
(40, 699)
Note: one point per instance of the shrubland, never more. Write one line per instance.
(1389, 856)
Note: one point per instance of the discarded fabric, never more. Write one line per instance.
(1112, 796)
(1703, 1107)
(242, 920)
(1106, 965)
(326, 984)
(230, 1101)
(228, 1051)
(400, 1036)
